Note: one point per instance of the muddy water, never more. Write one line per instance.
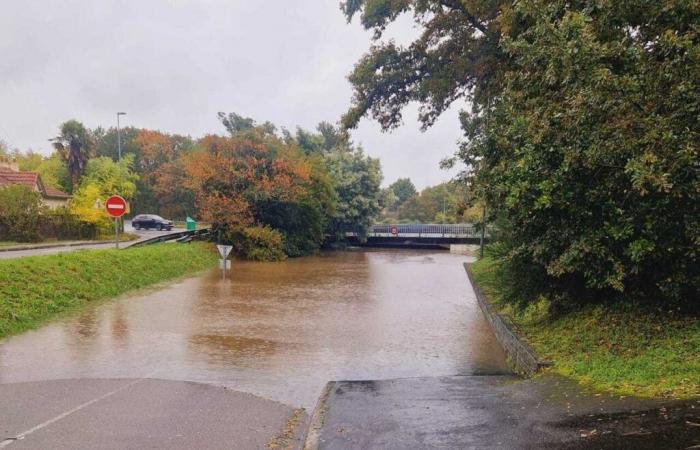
(278, 330)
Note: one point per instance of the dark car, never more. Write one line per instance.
(147, 221)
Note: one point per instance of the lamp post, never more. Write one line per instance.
(119, 136)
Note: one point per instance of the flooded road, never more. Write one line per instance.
(278, 330)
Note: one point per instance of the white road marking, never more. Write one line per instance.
(24, 434)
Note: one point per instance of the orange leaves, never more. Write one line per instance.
(230, 175)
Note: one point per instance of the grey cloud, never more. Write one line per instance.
(172, 65)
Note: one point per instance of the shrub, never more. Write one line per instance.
(61, 224)
(20, 208)
(256, 243)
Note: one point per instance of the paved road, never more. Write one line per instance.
(495, 412)
(141, 413)
(143, 234)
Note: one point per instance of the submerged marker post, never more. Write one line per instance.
(224, 263)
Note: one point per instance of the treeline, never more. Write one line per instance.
(581, 134)
(270, 193)
(443, 203)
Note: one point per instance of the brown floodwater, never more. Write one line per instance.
(278, 330)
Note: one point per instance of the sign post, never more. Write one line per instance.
(224, 263)
(116, 207)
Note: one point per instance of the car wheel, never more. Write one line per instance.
(136, 227)
(159, 227)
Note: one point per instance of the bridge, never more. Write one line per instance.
(419, 235)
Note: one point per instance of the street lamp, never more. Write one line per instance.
(119, 136)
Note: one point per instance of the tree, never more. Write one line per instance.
(457, 55)
(404, 189)
(51, 169)
(103, 178)
(74, 145)
(357, 180)
(582, 134)
(20, 208)
(236, 123)
(255, 187)
(4, 152)
(106, 141)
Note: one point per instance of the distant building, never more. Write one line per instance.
(10, 175)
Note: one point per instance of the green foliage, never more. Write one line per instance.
(235, 123)
(20, 208)
(356, 179)
(74, 144)
(35, 289)
(620, 348)
(403, 189)
(582, 135)
(106, 142)
(51, 170)
(442, 203)
(112, 177)
(254, 180)
(260, 243)
(103, 178)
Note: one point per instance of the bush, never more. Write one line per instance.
(20, 208)
(256, 243)
(62, 225)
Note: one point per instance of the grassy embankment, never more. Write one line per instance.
(123, 237)
(34, 289)
(614, 348)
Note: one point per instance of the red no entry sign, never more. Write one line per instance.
(116, 206)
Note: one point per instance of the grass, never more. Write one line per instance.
(620, 349)
(123, 237)
(37, 288)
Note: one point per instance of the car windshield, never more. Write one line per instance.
(157, 217)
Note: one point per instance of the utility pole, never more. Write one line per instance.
(119, 221)
(119, 136)
(483, 231)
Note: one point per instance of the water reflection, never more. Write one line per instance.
(280, 330)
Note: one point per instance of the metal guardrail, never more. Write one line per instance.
(181, 235)
(427, 230)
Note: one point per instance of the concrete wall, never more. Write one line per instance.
(521, 356)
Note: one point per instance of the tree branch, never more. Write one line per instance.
(459, 6)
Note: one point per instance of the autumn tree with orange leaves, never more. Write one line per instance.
(159, 162)
(264, 196)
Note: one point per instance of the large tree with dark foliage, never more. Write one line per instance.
(75, 146)
(582, 132)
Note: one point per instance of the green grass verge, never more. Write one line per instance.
(34, 289)
(614, 348)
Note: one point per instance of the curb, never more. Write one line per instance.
(40, 247)
(313, 433)
(520, 355)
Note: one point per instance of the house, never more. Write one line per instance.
(11, 175)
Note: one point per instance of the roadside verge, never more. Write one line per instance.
(521, 356)
(36, 288)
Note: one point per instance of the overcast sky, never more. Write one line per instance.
(172, 65)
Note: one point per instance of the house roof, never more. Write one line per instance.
(55, 193)
(9, 177)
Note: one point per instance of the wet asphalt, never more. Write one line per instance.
(495, 412)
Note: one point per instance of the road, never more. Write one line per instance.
(143, 234)
(273, 332)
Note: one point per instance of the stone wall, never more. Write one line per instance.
(520, 355)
